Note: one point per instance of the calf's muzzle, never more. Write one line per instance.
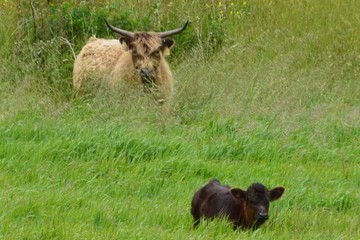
(262, 217)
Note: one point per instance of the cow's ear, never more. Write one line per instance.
(169, 43)
(166, 46)
(276, 193)
(125, 41)
(238, 193)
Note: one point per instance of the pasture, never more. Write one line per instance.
(264, 91)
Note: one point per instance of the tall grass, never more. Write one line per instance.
(266, 91)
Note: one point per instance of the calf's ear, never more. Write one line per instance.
(166, 45)
(276, 193)
(238, 193)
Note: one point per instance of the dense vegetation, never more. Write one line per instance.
(266, 91)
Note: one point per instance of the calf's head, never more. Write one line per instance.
(147, 50)
(255, 201)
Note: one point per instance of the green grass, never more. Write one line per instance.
(277, 102)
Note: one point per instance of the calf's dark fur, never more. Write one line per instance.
(245, 209)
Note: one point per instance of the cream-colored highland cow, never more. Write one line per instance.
(137, 60)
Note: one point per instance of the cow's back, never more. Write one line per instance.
(214, 199)
(218, 200)
(98, 56)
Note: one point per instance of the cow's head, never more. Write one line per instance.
(256, 200)
(147, 49)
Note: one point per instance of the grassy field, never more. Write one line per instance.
(271, 95)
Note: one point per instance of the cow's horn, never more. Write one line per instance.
(119, 31)
(173, 32)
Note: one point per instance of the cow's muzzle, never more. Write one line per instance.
(147, 76)
(262, 217)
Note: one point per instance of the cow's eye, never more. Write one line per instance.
(253, 201)
(156, 54)
(134, 52)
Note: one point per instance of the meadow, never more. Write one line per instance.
(265, 91)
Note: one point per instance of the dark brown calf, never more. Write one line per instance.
(245, 209)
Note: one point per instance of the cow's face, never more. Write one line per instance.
(147, 50)
(257, 199)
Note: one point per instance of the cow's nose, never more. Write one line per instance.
(146, 73)
(263, 216)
